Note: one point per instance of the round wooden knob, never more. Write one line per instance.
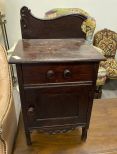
(31, 109)
(67, 73)
(50, 74)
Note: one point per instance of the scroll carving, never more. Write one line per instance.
(24, 17)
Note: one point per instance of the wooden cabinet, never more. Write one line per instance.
(56, 87)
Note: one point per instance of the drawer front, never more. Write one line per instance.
(55, 73)
(61, 106)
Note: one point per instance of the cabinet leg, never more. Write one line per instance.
(98, 92)
(28, 137)
(84, 134)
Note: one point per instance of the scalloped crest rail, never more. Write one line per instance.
(68, 26)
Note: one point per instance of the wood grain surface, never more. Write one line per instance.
(54, 50)
(66, 26)
(102, 136)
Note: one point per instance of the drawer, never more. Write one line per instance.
(55, 73)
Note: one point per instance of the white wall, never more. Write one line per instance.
(104, 12)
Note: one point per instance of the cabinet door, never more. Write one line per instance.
(55, 106)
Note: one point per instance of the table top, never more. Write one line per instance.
(54, 50)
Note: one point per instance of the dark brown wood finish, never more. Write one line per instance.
(53, 51)
(56, 76)
(68, 26)
(102, 137)
(54, 73)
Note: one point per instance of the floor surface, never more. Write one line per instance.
(110, 89)
(102, 135)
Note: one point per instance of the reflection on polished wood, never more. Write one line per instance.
(102, 136)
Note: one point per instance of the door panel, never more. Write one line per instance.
(57, 106)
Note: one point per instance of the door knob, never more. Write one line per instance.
(67, 73)
(50, 74)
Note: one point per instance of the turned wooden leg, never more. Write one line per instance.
(28, 137)
(98, 92)
(84, 134)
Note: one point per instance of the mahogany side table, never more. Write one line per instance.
(57, 79)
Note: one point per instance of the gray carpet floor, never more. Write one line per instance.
(110, 89)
